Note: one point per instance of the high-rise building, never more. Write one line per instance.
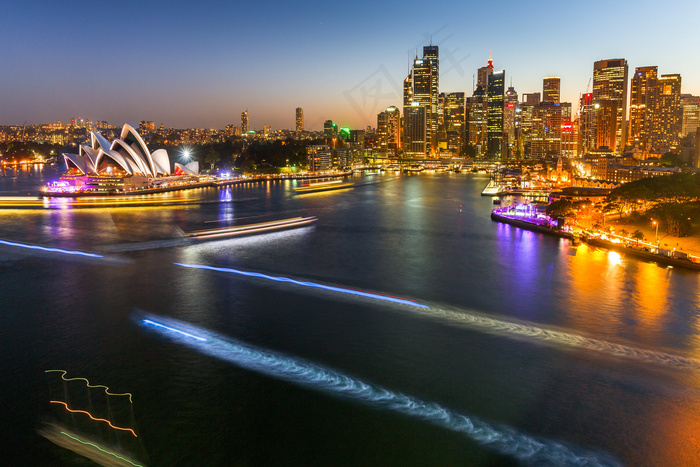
(510, 106)
(665, 103)
(531, 98)
(610, 92)
(551, 90)
(266, 130)
(389, 130)
(691, 114)
(546, 130)
(454, 121)
(330, 129)
(477, 121)
(586, 124)
(642, 80)
(431, 56)
(418, 91)
(319, 157)
(483, 74)
(415, 130)
(300, 120)
(495, 147)
(245, 127)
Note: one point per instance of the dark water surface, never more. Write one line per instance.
(528, 350)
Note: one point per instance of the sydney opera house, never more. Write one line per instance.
(122, 166)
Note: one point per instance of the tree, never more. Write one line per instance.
(212, 157)
(623, 232)
(638, 235)
(560, 208)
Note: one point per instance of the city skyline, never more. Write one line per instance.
(202, 69)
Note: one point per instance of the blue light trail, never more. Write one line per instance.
(51, 250)
(360, 293)
(502, 439)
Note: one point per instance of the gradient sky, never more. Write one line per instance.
(199, 65)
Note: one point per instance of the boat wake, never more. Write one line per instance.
(502, 439)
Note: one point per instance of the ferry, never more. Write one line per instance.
(325, 185)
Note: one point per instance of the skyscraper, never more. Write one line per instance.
(420, 89)
(586, 124)
(431, 55)
(415, 130)
(454, 121)
(483, 74)
(476, 116)
(244, 122)
(495, 92)
(389, 130)
(639, 109)
(510, 106)
(665, 102)
(610, 92)
(551, 89)
(300, 120)
(691, 114)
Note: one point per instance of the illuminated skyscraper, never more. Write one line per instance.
(551, 89)
(420, 89)
(586, 124)
(639, 109)
(244, 122)
(495, 147)
(477, 121)
(300, 120)
(484, 73)
(691, 114)
(389, 130)
(330, 129)
(414, 130)
(531, 98)
(454, 121)
(665, 103)
(509, 112)
(610, 92)
(431, 55)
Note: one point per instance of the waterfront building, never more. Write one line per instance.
(551, 90)
(431, 55)
(389, 130)
(245, 127)
(610, 93)
(495, 146)
(319, 157)
(299, 120)
(420, 89)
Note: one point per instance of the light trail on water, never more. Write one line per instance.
(502, 439)
(63, 377)
(50, 250)
(402, 301)
(96, 419)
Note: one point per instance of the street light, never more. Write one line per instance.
(657, 232)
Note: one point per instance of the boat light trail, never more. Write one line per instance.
(186, 334)
(502, 439)
(403, 301)
(100, 449)
(63, 377)
(51, 250)
(96, 419)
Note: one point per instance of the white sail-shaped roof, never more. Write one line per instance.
(140, 164)
(77, 161)
(138, 145)
(190, 169)
(91, 155)
(116, 157)
(161, 161)
(98, 141)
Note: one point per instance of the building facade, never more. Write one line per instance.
(610, 93)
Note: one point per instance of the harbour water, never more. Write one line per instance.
(404, 327)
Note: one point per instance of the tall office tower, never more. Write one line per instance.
(266, 130)
(495, 147)
(691, 114)
(244, 122)
(569, 139)
(509, 112)
(551, 89)
(526, 128)
(477, 121)
(330, 129)
(418, 91)
(389, 130)
(610, 92)
(586, 124)
(484, 73)
(431, 54)
(606, 124)
(638, 134)
(300, 120)
(665, 103)
(454, 121)
(531, 98)
(546, 130)
(415, 130)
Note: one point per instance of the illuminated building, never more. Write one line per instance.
(691, 114)
(300, 119)
(551, 90)
(483, 74)
(494, 131)
(145, 127)
(319, 157)
(531, 98)
(419, 87)
(415, 141)
(610, 92)
(569, 139)
(477, 122)
(606, 123)
(509, 112)
(266, 130)
(586, 124)
(389, 130)
(431, 57)
(454, 121)
(666, 112)
(330, 129)
(545, 135)
(245, 127)
(639, 108)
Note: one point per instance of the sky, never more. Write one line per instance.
(199, 65)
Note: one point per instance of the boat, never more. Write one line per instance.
(326, 185)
